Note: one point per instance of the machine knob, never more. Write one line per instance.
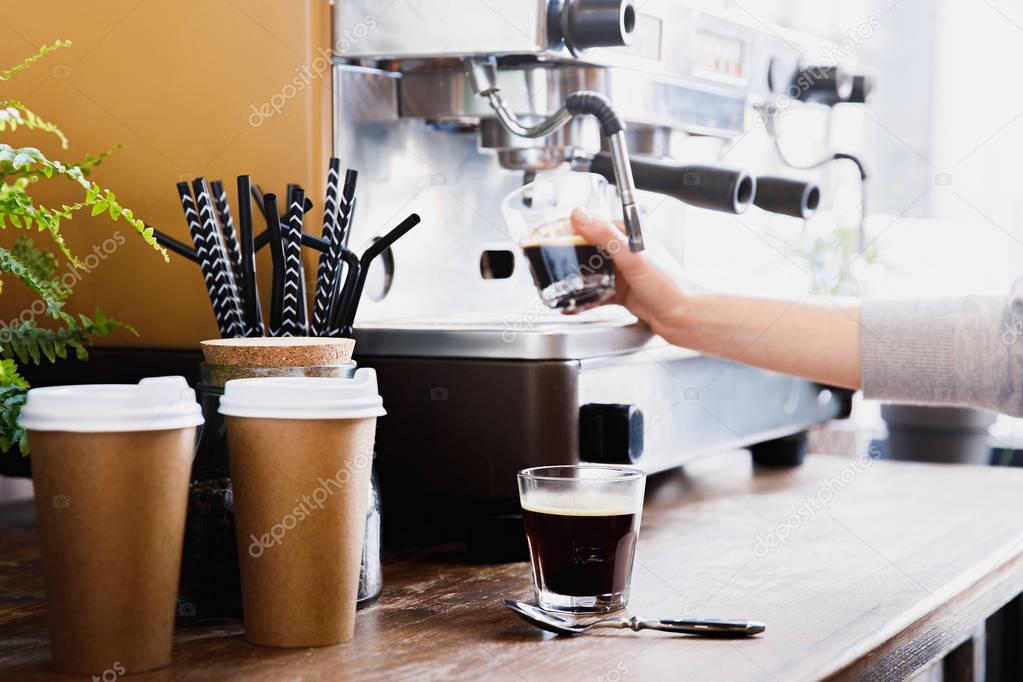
(827, 85)
(863, 85)
(595, 23)
(610, 433)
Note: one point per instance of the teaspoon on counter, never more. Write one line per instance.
(685, 626)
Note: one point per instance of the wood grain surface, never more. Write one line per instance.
(875, 571)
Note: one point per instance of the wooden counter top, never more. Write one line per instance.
(883, 569)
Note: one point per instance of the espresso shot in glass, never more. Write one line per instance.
(582, 525)
(570, 273)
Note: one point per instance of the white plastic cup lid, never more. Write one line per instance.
(304, 397)
(153, 404)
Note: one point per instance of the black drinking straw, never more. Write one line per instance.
(226, 220)
(218, 298)
(330, 259)
(375, 249)
(257, 194)
(218, 256)
(343, 294)
(342, 232)
(273, 222)
(263, 237)
(310, 240)
(171, 244)
(253, 313)
(293, 310)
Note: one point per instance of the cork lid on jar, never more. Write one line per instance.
(265, 351)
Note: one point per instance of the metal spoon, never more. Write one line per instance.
(705, 628)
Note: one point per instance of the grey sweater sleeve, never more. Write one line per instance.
(966, 351)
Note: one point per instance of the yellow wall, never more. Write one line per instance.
(174, 83)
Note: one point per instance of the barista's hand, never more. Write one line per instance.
(818, 341)
(641, 286)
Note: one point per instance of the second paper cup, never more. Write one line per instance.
(301, 452)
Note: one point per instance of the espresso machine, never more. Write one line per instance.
(446, 106)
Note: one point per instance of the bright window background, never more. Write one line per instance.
(941, 138)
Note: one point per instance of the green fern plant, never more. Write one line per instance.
(24, 341)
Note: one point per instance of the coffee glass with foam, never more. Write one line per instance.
(582, 524)
(570, 273)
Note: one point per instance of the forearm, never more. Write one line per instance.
(962, 351)
(818, 341)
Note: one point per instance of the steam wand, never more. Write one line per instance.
(482, 72)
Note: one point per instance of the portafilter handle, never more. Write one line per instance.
(718, 189)
(789, 197)
(482, 73)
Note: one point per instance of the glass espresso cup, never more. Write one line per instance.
(570, 273)
(582, 524)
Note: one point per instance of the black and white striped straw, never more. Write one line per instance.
(330, 260)
(293, 309)
(219, 263)
(342, 231)
(227, 229)
(346, 205)
(221, 304)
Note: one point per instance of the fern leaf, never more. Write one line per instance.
(24, 164)
(51, 293)
(42, 263)
(14, 114)
(90, 161)
(28, 342)
(9, 375)
(29, 61)
(12, 397)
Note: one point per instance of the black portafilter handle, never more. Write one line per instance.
(718, 189)
(788, 197)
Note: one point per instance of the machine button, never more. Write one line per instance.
(610, 433)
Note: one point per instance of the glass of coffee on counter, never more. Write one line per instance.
(570, 273)
(582, 524)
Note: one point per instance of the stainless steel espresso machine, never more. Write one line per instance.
(446, 106)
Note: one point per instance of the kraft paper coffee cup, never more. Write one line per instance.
(110, 464)
(301, 452)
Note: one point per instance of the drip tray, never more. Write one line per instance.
(539, 335)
